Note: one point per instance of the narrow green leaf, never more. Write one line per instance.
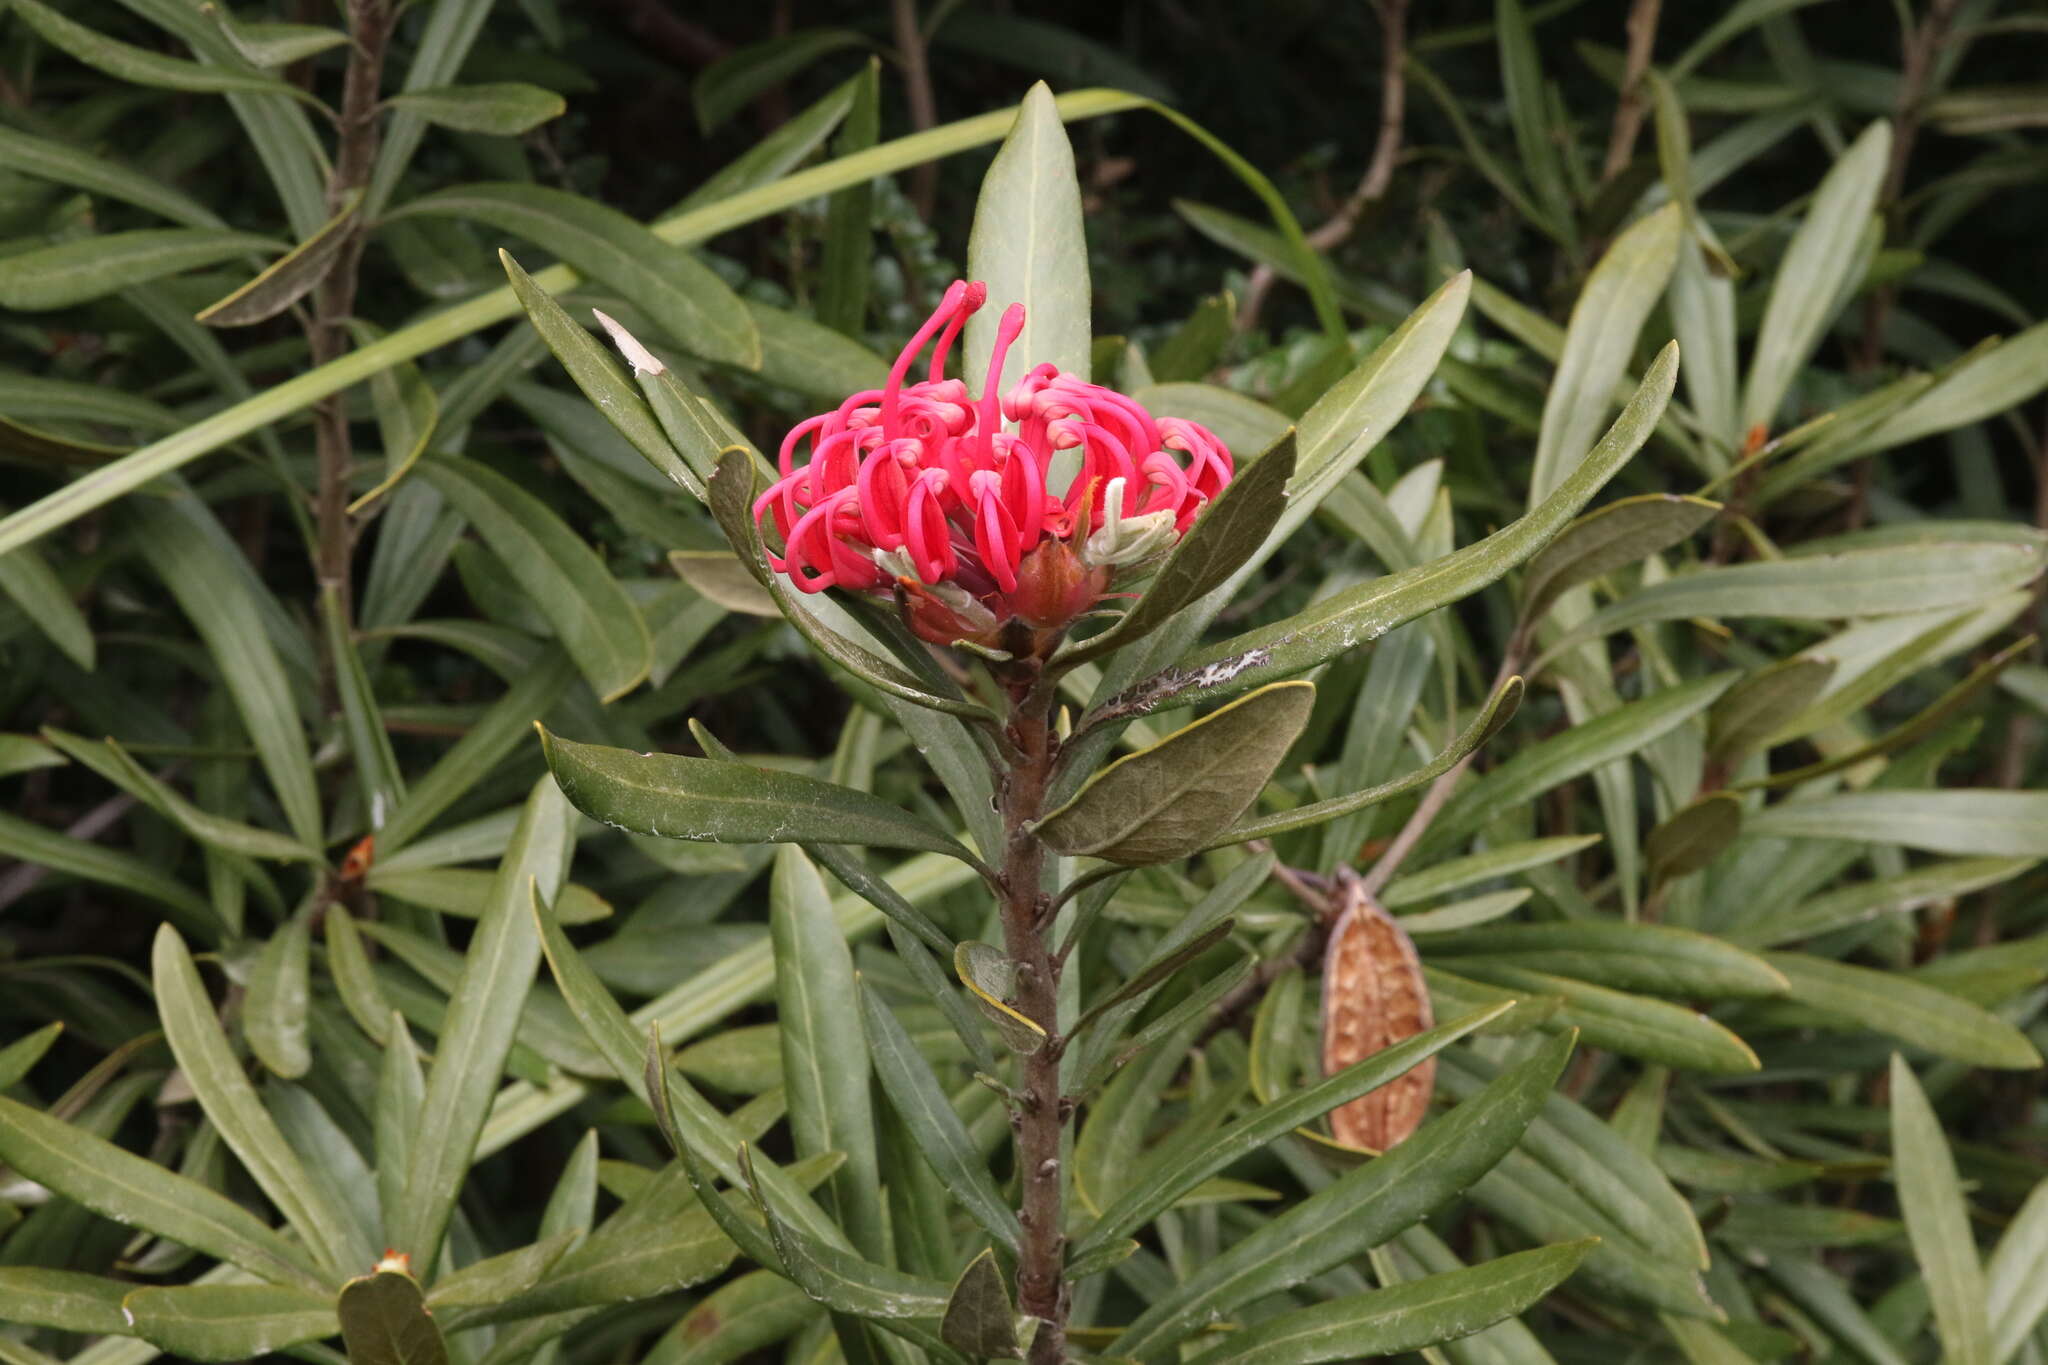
(1760, 705)
(592, 615)
(920, 1101)
(1360, 1209)
(228, 1321)
(1499, 710)
(1360, 615)
(825, 1064)
(1655, 1030)
(726, 86)
(1938, 1222)
(368, 740)
(1171, 799)
(112, 762)
(384, 1321)
(1900, 1007)
(1967, 822)
(1814, 274)
(707, 800)
(684, 296)
(224, 1092)
(1643, 957)
(1028, 245)
(66, 164)
(504, 108)
(1928, 884)
(88, 861)
(2017, 1294)
(289, 278)
(1415, 887)
(28, 580)
(139, 66)
(129, 1189)
(1619, 534)
(478, 1031)
(1161, 1184)
(274, 1011)
(68, 1300)
(1610, 311)
(72, 273)
(1407, 1316)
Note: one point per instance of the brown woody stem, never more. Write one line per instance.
(1040, 1117)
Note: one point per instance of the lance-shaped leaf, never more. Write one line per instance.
(501, 1278)
(990, 975)
(1600, 542)
(1222, 538)
(1170, 800)
(685, 296)
(209, 1063)
(273, 45)
(384, 1321)
(1359, 1210)
(1365, 613)
(1938, 1222)
(1157, 973)
(1645, 957)
(597, 375)
(1499, 711)
(1160, 1184)
(129, 1189)
(1761, 704)
(289, 278)
(1406, 1316)
(1694, 836)
(140, 66)
(77, 272)
(2018, 1294)
(114, 763)
(228, 1321)
(1655, 1030)
(980, 1318)
(591, 614)
(1860, 901)
(1996, 823)
(731, 496)
(920, 1101)
(274, 1011)
(707, 800)
(1027, 243)
(1902, 1008)
(68, 1300)
(19, 1057)
(501, 108)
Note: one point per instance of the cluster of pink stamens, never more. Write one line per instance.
(926, 478)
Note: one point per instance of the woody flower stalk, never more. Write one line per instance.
(995, 521)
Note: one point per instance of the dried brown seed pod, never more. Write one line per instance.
(1373, 997)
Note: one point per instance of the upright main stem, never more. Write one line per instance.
(1040, 1117)
(334, 299)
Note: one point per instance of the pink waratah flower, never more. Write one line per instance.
(923, 490)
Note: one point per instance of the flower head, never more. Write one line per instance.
(945, 500)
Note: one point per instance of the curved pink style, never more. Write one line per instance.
(924, 477)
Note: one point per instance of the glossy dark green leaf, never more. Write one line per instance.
(1938, 1222)
(1223, 537)
(384, 1321)
(1615, 536)
(501, 108)
(1172, 799)
(1361, 1209)
(1407, 1316)
(228, 1321)
(707, 800)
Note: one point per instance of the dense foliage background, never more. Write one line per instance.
(304, 616)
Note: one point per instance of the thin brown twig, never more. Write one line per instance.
(1633, 107)
(924, 109)
(1379, 172)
